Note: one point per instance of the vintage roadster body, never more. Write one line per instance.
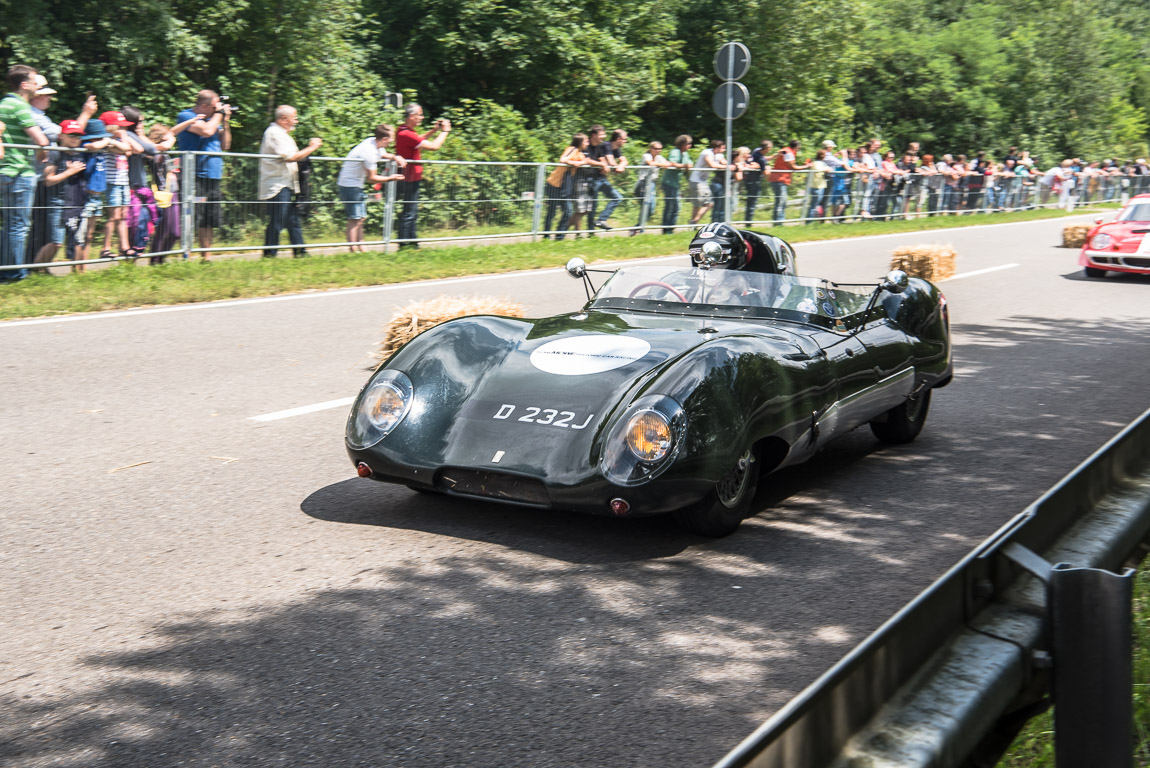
(671, 391)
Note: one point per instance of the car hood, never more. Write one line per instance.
(1126, 233)
(535, 396)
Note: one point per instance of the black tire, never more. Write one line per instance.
(720, 512)
(903, 422)
(1094, 272)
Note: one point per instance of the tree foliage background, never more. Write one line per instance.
(1060, 77)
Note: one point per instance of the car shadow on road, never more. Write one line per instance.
(1118, 277)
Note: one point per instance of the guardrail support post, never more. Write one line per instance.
(187, 203)
(388, 206)
(1093, 667)
(537, 207)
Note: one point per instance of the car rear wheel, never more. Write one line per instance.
(1094, 272)
(721, 511)
(903, 422)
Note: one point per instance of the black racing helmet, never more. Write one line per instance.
(732, 250)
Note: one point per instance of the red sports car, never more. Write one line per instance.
(1122, 245)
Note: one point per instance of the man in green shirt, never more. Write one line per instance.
(17, 169)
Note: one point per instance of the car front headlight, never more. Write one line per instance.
(644, 441)
(380, 408)
(1100, 241)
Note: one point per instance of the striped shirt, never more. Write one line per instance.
(16, 114)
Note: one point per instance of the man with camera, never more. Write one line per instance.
(408, 145)
(212, 134)
(279, 179)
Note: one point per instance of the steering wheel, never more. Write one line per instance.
(657, 284)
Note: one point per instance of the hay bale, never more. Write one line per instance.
(418, 316)
(930, 262)
(1074, 235)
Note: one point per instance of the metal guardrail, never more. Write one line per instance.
(958, 670)
(482, 201)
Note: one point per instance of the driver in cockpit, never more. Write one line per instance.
(741, 249)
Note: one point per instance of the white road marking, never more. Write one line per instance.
(450, 280)
(497, 457)
(961, 275)
(342, 402)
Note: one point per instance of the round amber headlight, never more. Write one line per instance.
(649, 435)
(385, 408)
(1100, 241)
(381, 407)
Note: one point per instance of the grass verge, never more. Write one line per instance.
(181, 282)
(1034, 747)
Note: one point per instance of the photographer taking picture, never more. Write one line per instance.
(408, 144)
(212, 134)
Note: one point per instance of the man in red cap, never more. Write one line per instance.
(64, 180)
(119, 185)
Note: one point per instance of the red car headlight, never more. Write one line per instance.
(1100, 241)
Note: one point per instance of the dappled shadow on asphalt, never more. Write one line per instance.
(542, 639)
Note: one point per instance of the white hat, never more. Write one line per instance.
(829, 144)
(42, 88)
(1141, 161)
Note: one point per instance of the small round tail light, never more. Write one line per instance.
(620, 507)
(363, 470)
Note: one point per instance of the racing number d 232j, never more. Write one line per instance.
(673, 390)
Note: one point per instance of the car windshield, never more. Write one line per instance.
(1136, 212)
(725, 291)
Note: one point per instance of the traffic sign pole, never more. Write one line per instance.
(730, 102)
(730, 132)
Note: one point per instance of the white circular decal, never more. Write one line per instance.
(581, 355)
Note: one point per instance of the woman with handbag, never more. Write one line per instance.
(560, 188)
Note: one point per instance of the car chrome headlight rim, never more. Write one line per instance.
(1101, 240)
(380, 408)
(644, 440)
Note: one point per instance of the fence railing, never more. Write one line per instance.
(1040, 607)
(474, 201)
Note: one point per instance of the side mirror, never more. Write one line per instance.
(896, 281)
(1099, 219)
(577, 268)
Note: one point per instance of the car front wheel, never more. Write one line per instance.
(1094, 272)
(720, 512)
(903, 422)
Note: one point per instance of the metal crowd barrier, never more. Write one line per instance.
(477, 201)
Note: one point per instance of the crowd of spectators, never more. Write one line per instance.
(107, 179)
(864, 182)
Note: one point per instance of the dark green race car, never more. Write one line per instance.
(671, 391)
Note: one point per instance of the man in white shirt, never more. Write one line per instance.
(359, 168)
(279, 179)
(709, 160)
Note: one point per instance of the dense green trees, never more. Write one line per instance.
(518, 76)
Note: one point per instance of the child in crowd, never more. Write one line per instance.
(119, 185)
(64, 176)
(96, 137)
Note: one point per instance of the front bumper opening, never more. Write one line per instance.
(514, 489)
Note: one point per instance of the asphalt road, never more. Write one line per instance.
(186, 586)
